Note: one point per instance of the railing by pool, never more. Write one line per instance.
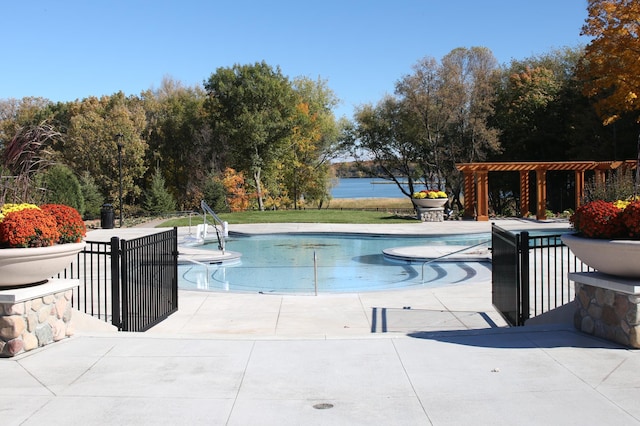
(530, 274)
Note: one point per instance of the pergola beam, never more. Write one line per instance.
(476, 182)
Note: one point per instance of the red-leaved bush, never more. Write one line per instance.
(70, 223)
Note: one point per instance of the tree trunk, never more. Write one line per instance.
(256, 179)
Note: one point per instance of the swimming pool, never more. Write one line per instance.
(296, 263)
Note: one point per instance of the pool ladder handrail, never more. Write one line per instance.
(224, 225)
(197, 262)
(435, 259)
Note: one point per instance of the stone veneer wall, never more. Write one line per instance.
(36, 321)
(609, 314)
(435, 214)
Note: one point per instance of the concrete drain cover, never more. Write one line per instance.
(323, 406)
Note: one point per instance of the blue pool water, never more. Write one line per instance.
(284, 263)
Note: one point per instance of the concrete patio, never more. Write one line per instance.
(439, 356)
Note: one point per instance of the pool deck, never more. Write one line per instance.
(439, 356)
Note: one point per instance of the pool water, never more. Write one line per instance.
(284, 263)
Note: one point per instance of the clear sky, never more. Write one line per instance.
(71, 49)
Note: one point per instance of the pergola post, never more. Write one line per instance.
(469, 194)
(525, 200)
(541, 186)
(482, 190)
(476, 182)
(600, 177)
(579, 188)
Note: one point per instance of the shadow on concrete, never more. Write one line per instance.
(527, 337)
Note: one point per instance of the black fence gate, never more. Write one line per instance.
(530, 274)
(508, 295)
(131, 283)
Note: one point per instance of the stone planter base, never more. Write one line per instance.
(431, 214)
(35, 316)
(608, 307)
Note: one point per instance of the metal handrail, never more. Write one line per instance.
(206, 209)
(435, 259)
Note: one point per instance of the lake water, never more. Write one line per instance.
(366, 188)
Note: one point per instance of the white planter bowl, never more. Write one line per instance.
(613, 257)
(430, 202)
(22, 266)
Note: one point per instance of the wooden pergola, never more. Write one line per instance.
(476, 182)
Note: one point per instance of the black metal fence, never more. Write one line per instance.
(133, 284)
(530, 274)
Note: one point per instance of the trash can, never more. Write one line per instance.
(107, 216)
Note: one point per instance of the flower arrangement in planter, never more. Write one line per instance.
(429, 194)
(27, 225)
(429, 199)
(607, 236)
(37, 242)
(608, 220)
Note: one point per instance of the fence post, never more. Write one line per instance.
(174, 260)
(523, 253)
(115, 283)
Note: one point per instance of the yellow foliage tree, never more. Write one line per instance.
(611, 69)
(237, 197)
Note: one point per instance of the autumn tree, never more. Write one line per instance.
(233, 182)
(611, 68)
(305, 161)
(251, 109)
(90, 143)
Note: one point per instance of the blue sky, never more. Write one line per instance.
(71, 49)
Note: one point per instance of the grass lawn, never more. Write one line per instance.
(380, 210)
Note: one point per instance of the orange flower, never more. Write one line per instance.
(28, 228)
(69, 222)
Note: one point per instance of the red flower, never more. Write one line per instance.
(69, 222)
(598, 219)
(630, 219)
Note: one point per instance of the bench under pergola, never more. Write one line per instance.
(476, 182)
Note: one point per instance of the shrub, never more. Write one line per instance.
(158, 199)
(63, 187)
(93, 199)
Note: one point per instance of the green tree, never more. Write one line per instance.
(383, 143)
(214, 193)
(93, 199)
(251, 109)
(438, 116)
(63, 187)
(179, 138)
(157, 198)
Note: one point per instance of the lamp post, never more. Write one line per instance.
(119, 143)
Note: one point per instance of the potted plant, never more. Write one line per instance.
(37, 242)
(429, 198)
(607, 236)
